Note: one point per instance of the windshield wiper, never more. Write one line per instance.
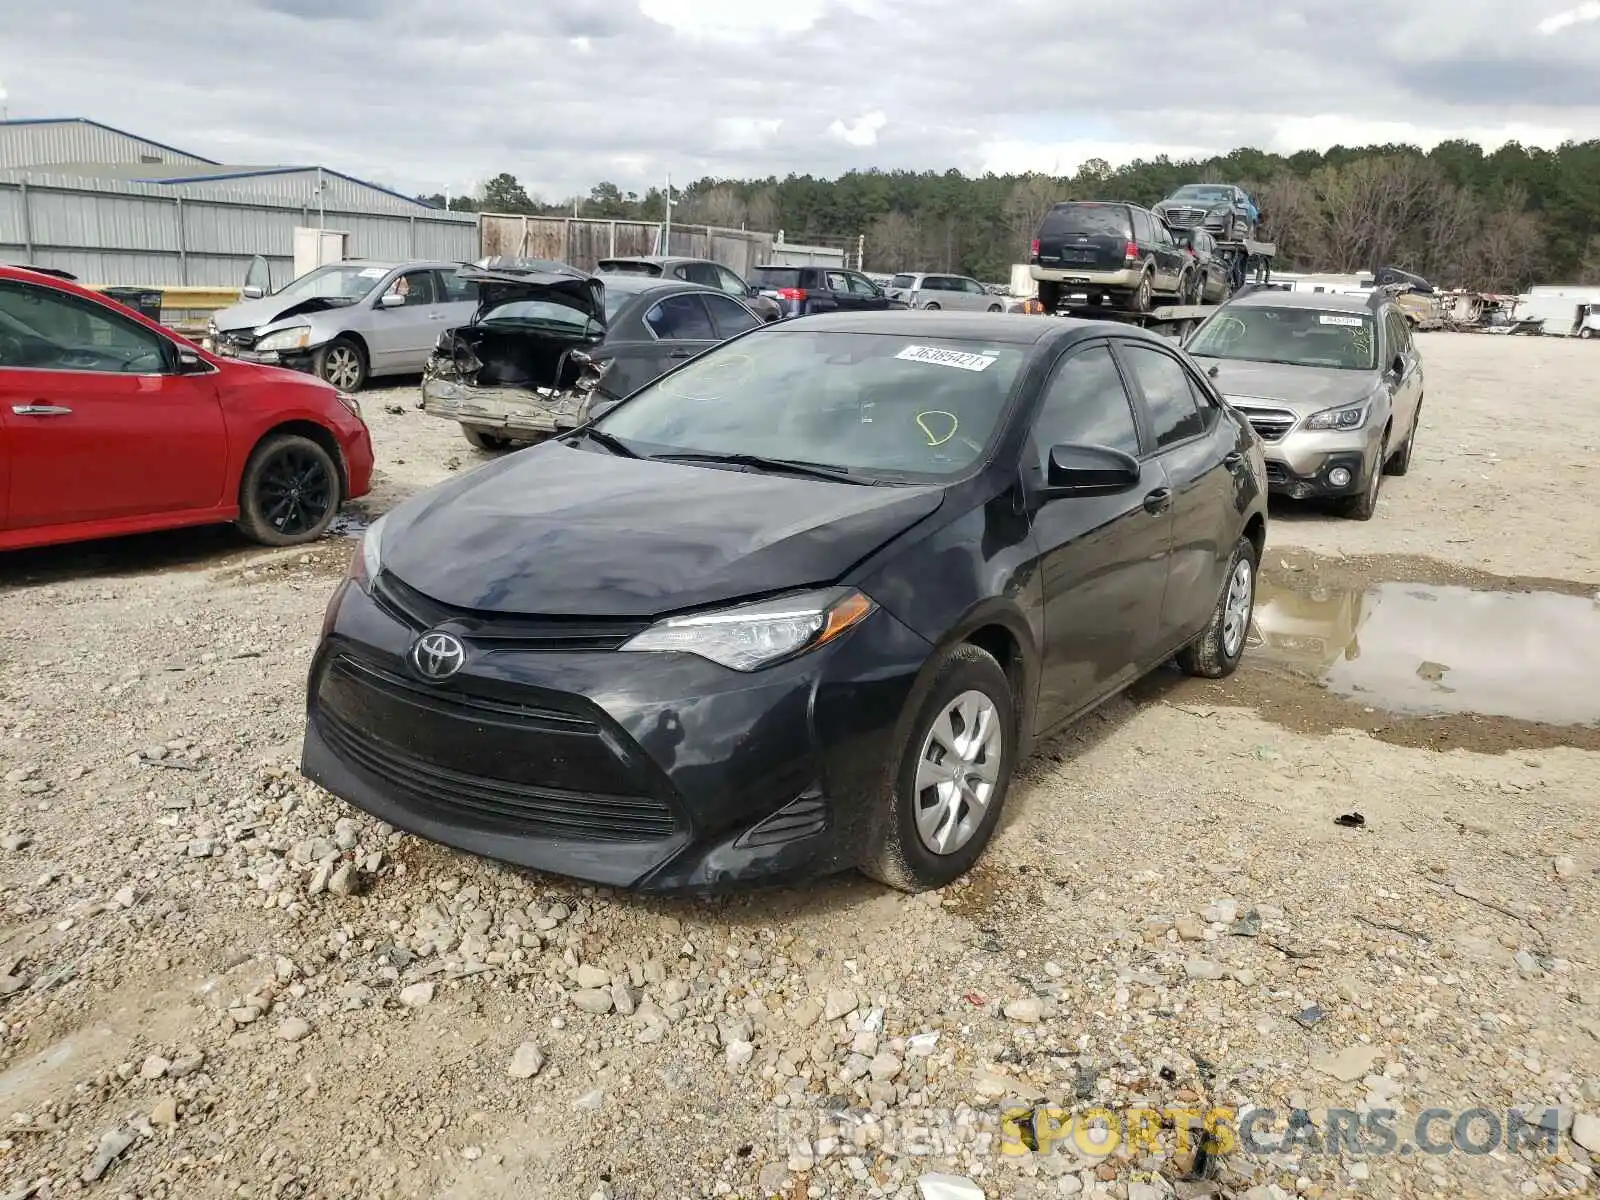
(614, 444)
(761, 462)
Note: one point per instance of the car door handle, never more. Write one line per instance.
(1158, 501)
(680, 354)
(40, 410)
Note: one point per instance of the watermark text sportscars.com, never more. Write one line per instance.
(1102, 1132)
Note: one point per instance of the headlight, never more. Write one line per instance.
(297, 338)
(1349, 417)
(367, 561)
(756, 635)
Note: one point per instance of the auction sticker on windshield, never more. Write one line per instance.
(1336, 319)
(948, 358)
(374, 272)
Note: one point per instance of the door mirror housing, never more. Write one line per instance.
(1084, 470)
(251, 291)
(391, 300)
(190, 363)
(1397, 368)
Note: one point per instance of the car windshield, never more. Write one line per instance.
(1198, 191)
(348, 281)
(1302, 337)
(875, 404)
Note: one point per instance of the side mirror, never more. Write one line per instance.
(391, 300)
(1398, 367)
(251, 291)
(751, 289)
(190, 363)
(1080, 470)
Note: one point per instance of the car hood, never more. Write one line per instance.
(257, 314)
(557, 531)
(1301, 390)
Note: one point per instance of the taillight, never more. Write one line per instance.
(1131, 251)
(1033, 248)
(791, 293)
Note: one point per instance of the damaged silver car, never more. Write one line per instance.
(549, 348)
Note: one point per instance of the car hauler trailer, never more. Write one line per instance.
(1250, 266)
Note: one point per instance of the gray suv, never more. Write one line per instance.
(348, 321)
(1332, 383)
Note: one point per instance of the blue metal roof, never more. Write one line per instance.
(109, 129)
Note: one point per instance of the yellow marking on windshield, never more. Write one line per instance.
(933, 438)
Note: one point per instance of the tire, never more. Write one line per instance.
(1191, 289)
(931, 306)
(1400, 462)
(898, 855)
(993, 308)
(1362, 507)
(1142, 299)
(342, 363)
(1215, 654)
(290, 491)
(1586, 333)
(484, 441)
(1049, 296)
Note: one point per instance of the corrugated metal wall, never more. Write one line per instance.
(32, 143)
(176, 234)
(584, 241)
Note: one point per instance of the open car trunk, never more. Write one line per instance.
(512, 371)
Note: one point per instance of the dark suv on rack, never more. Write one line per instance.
(1119, 254)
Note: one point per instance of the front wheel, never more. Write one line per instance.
(993, 308)
(931, 306)
(1401, 462)
(342, 363)
(1586, 333)
(951, 769)
(290, 491)
(1362, 507)
(1215, 654)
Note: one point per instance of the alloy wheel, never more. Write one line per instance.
(342, 368)
(957, 772)
(295, 490)
(1237, 606)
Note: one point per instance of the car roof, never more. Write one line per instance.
(1327, 301)
(639, 284)
(1016, 328)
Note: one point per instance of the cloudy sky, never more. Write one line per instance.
(427, 95)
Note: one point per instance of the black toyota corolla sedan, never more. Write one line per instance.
(800, 605)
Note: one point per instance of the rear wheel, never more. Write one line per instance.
(342, 363)
(484, 441)
(951, 770)
(932, 306)
(994, 308)
(1586, 333)
(290, 491)
(1143, 296)
(1220, 646)
(1049, 296)
(1191, 287)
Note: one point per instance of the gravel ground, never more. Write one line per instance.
(216, 980)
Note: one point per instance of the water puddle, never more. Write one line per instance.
(1439, 650)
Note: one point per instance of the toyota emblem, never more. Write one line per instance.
(438, 655)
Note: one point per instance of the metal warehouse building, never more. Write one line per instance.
(114, 208)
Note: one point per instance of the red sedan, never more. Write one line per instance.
(112, 424)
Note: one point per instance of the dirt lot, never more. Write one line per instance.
(217, 981)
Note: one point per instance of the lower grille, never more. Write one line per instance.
(1277, 472)
(804, 817)
(497, 804)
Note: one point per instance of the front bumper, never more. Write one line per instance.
(506, 411)
(294, 360)
(1306, 476)
(554, 751)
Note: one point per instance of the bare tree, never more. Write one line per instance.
(1028, 203)
(892, 242)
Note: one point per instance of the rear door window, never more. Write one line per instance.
(729, 316)
(699, 272)
(681, 318)
(1108, 220)
(454, 288)
(838, 281)
(1143, 231)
